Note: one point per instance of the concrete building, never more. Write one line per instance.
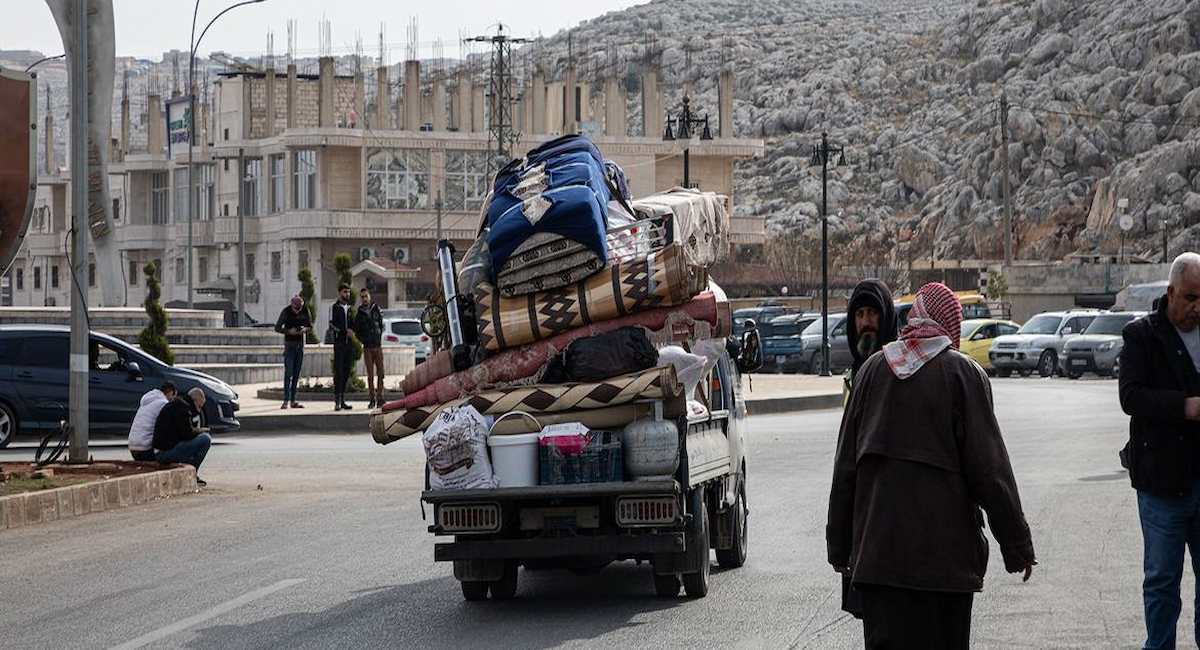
(297, 156)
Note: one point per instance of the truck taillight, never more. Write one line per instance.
(469, 518)
(647, 511)
(392, 339)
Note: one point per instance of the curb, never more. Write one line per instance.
(32, 508)
(317, 422)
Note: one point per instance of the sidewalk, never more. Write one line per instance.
(764, 394)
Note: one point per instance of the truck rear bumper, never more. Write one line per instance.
(528, 549)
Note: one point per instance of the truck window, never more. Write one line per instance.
(46, 352)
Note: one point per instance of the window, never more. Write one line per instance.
(1004, 330)
(1078, 324)
(251, 172)
(203, 272)
(1041, 325)
(1110, 324)
(276, 265)
(54, 277)
(91, 274)
(303, 259)
(160, 196)
(37, 277)
(406, 328)
(116, 209)
(226, 134)
(839, 330)
(466, 180)
(206, 192)
(277, 175)
(45, 352)
(20, 279)
(133, 273)
(304, 180)
(181, 194)
(250, 271)
(226, 162)
(397, 179)
(180, 271)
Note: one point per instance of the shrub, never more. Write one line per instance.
(153, 339)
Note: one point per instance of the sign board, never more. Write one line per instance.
(179, 120)
(18, 160)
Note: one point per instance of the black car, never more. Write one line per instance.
(34, 370)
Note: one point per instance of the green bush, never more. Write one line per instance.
(307, 291)
(153, 339)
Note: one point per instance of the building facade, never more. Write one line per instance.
(298, 169)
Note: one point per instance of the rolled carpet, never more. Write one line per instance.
(648, 385)
(704, 317)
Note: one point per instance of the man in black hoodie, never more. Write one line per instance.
(179, 435)
(870, 322)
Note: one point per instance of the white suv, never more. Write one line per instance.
(1040, 343)
(407, 331)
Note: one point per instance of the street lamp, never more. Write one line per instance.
(684, 126)
(193, 45)
(820, 156)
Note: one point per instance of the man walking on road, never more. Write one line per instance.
(368, 328)
(179, 432)
(1160, 390)
(341, 326)
(294, 324)
(918, 455)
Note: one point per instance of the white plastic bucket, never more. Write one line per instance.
(515, 459)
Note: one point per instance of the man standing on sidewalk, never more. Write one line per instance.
(1160, 390)
(341, 328)
(919, 454)
(368, 328)
(293, 323)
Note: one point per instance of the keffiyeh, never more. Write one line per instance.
(933, 326)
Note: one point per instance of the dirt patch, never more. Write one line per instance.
(17, 478)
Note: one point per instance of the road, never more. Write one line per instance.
(332, 552)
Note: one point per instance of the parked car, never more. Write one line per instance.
(760, 315)
(34, 378)
(407, 331)
(839, 347)
(782, 343)
(976, 336)
(1039, 344)
(1099, 349)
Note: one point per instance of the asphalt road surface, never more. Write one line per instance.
(332, 552)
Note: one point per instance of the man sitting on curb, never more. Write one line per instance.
(179, 435)
(141, 434)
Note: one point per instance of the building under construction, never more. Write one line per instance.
(329, 161)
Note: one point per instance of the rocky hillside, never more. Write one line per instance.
(1103, 108)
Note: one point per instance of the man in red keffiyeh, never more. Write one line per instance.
(919, 460)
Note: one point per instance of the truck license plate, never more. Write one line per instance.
(1079, 362)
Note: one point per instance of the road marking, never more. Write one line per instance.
(192, 621)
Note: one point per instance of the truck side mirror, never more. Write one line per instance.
(134, 370)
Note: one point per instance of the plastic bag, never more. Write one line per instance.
(456, 450)
(611, 354)
(690, 368)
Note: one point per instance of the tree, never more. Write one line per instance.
(153, 339)
(307, 291)
(342, 265)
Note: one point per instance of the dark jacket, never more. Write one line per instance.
(870, 293)
(291, 319)
(1157, 375)
(339, 325)
(178, 421)
(368, 326)
(916, 461)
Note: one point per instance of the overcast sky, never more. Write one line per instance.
(146, 28)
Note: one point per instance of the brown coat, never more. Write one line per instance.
(916, 460)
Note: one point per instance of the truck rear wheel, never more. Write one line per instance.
(473, 590)
(666, 586)
(735, 556)
(506, 587)
(696, 584)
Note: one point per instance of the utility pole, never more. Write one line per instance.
(241, 265)
(820, 157)
(500, 118)
(1164, 243)
(78, 385)
(685, 125)
(1004, 182)
(438, 205)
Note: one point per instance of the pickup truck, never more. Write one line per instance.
(673, 524)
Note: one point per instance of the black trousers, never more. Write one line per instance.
(145, 456)
(900, 619)
(342, 353)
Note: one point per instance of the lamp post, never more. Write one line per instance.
(193, 45)
(685, 124)
(820, 156)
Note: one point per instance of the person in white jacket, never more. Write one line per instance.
(141, 433)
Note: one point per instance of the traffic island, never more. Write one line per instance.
(30, 496)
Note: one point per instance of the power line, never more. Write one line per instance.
(1104, 118)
